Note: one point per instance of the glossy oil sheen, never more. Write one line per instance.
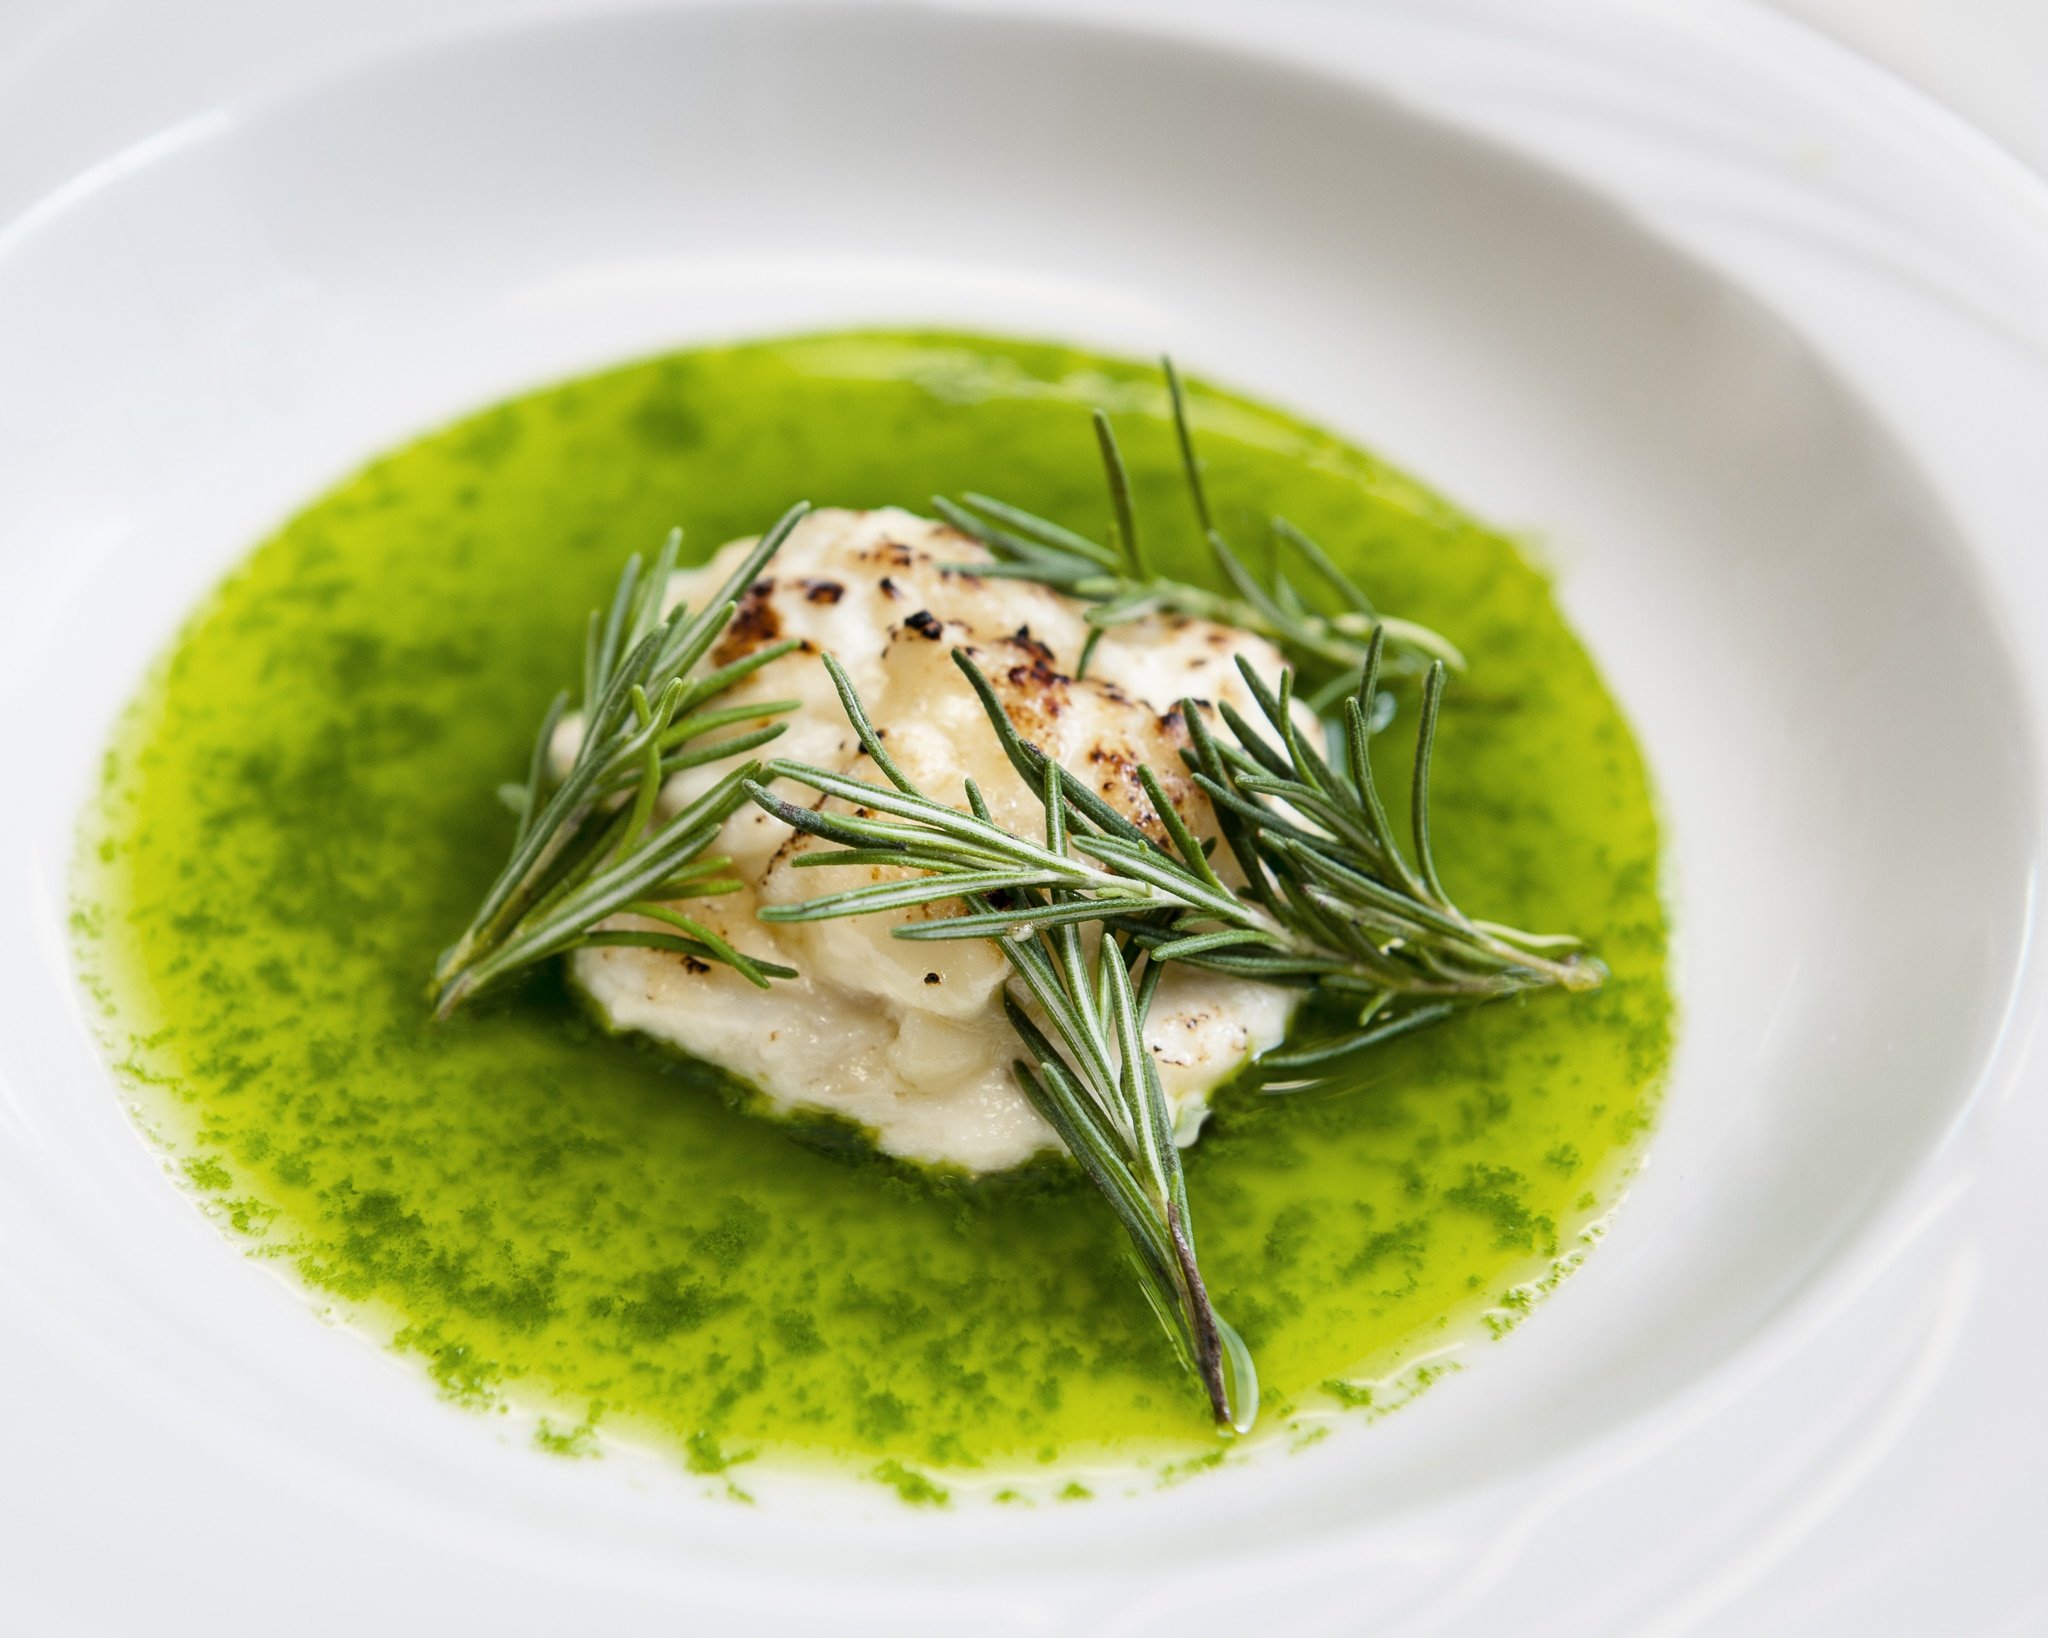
(298, 813)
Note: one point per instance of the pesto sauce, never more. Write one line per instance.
(298, 813)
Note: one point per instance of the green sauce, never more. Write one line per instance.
(298, 814)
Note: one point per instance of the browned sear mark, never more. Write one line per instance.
(926, 625)
(1038, 671)
(823, 591)
(1022, 638)
(1121, 785)
(754, 625)
(1118, 780)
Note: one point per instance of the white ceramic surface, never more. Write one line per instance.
(1761, 387)
(1986, 59)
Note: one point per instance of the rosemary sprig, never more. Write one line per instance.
(589, 848)
(1116, 580)
(1089, 1073)
(1330, 902)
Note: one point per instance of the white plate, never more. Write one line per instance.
(1754, 341)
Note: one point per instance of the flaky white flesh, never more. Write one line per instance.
(909, 1039)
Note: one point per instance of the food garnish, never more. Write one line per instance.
(1118, 583)
(581, 853)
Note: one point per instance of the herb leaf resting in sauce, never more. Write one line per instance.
(1098, 1088)
(582, 854)
(1329, 903)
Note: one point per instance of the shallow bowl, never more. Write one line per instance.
(207, 332)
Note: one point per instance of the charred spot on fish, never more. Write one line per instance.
(1037, 673)
(823, 591)
(1022, 638)
(755, 624)
(926, 624)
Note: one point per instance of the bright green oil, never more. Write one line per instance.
(298, 813)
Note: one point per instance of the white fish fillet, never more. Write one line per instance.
(908, 1039)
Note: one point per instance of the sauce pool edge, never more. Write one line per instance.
(298, 812)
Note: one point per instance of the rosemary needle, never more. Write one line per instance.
(1118, 584)
(590, 847)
